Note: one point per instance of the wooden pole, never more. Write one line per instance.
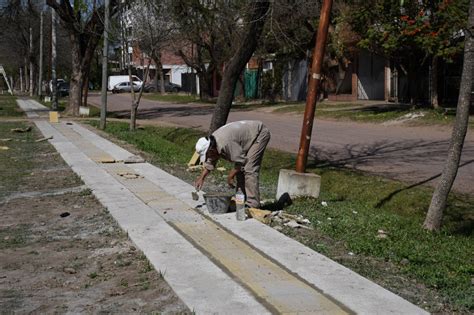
(313, 84)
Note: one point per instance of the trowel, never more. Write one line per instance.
(195, 195)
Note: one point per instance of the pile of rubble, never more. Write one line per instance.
(280, 218)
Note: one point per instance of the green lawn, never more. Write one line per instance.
(376, 114)
(358, 205)
(8, 107)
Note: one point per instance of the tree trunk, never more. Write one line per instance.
(440, 195)
(434, 82)
(27, 87)
(75, 84)
(135, 104)
(205, 86)
(85, 89)
(162, 79)
(237, 63)
(412, 80)
(83, 48)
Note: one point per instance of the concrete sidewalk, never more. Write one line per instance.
(214, 263)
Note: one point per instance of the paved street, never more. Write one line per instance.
(415, 154)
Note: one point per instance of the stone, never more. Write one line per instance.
(292, 224)
(70, 270)
(404, 262)
(134, 159)
(298, 184)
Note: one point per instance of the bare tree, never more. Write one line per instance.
(83, 21)
(438, 202)
(207, 32)
(17, 19)
(152, 31)
(243, 49)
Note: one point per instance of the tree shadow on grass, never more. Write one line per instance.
(165, 111)
(401, 156)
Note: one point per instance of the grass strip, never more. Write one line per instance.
(347, 228)
(8, 106)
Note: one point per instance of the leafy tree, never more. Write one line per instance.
(411, 32)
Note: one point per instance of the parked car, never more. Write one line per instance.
(63, 89)
(113, 80)
(169, 87)
(125, 87)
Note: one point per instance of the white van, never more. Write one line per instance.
(116, 79)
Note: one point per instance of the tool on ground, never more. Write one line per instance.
(195, 195)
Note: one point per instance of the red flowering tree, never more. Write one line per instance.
(413, 32)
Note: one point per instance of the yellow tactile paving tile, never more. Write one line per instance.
(280, 289)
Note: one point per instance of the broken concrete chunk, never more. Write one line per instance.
(259, 214)
(195, 168)
(70, 270)
(292, 224)
(305, 221)
(134, 159)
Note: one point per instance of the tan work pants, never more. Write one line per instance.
(247, 180)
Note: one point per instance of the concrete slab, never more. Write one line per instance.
(177, 248)
(184, 267)
(354, 291)
(298, 184)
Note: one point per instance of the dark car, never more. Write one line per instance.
(125, 87)
(63, 89)
(169, 87)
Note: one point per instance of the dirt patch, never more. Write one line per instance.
(65, 253)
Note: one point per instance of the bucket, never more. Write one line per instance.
(218, 202)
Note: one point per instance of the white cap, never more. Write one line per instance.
(202, 145)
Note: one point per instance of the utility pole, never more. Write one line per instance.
(40, 74)
(105, 60)
(31, 63)
(313, 84)
(54, 88)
